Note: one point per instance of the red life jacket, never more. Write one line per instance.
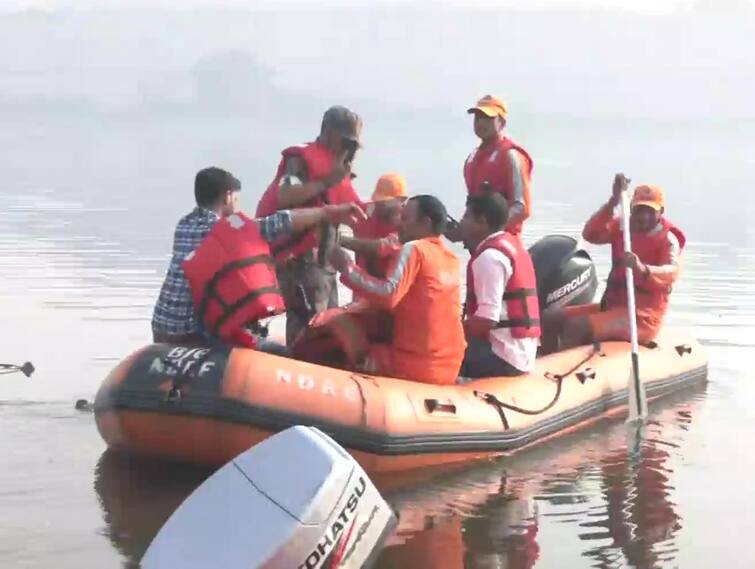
(318, 161)
(374, 228)
(232, 279)
(492, 164)
(649, 247)
(520, 296)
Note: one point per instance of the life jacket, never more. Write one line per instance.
(520, 296)
(649, 247)
(492, 164)
(374, 228)
(232, 280)
(318, 161)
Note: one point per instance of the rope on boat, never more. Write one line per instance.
(557, 378)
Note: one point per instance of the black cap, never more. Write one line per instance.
(343, 121)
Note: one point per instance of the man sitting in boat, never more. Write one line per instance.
(375, 240)
(217, 197)
(656, 248)
(422, 291)
(501, 313)
(311, 175)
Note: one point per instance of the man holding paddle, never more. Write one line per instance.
(656, 246)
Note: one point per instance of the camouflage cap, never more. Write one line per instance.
(343, 121)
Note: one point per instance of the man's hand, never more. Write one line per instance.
(339, 259)
(633, 262)
(348, 213)
(620, 184)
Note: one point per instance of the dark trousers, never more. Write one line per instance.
(307, 289)
(481, 361)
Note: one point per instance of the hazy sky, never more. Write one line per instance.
(681, 62)
(625, 5)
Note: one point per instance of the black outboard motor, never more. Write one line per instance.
(565, 274)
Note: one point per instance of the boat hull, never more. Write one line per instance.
(192, 404)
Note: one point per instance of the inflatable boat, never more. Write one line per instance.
(206, 405)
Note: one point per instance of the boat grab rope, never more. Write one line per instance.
(557, 378)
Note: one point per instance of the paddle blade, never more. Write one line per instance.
(638, 406)
(27, 369)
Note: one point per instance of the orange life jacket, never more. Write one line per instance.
(318, 160)
(491, 163)
(520, 296)
(649, 247)
(232, 279)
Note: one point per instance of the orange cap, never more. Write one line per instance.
(389, 186)
(490, 106)
(651, 196)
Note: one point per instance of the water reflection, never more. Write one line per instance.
(137, 496)
(617, 498)
(613, 489)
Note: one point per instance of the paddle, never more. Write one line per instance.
(638, 406)
(27, 369)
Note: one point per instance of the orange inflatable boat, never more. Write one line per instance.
(206, 405)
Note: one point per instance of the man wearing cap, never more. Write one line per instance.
(375, 240)
(310, 175)
(498, 164)
(656, 248)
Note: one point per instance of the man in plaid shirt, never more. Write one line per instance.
(217, 195)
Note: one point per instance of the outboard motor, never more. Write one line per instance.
(297, 500)
(565, 273)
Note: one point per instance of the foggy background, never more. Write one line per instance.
(653, 59)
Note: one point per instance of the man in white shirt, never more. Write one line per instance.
(502, 315)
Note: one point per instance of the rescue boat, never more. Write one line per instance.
(206, 405)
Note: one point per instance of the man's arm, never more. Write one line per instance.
(284, 223)
(659, 277)
(491, 272)
(379, 248)
(520, 204)
(295, 190)
(386, 292)
(602, 226)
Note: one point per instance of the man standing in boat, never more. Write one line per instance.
(498, 164)
(216, 192)
(422, 291)
(375, 240)
(655, 260)
(310, 175)
(502, 313)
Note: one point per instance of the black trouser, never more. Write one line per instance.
(481, 361)
(307, 289)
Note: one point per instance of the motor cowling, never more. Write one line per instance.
(566, 274)
(296, 500)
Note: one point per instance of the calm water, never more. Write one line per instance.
(85, 229)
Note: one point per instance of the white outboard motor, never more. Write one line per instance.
(295, 501)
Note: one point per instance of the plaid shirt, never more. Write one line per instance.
(174, 311)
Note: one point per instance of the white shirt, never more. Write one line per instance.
(492, 270)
